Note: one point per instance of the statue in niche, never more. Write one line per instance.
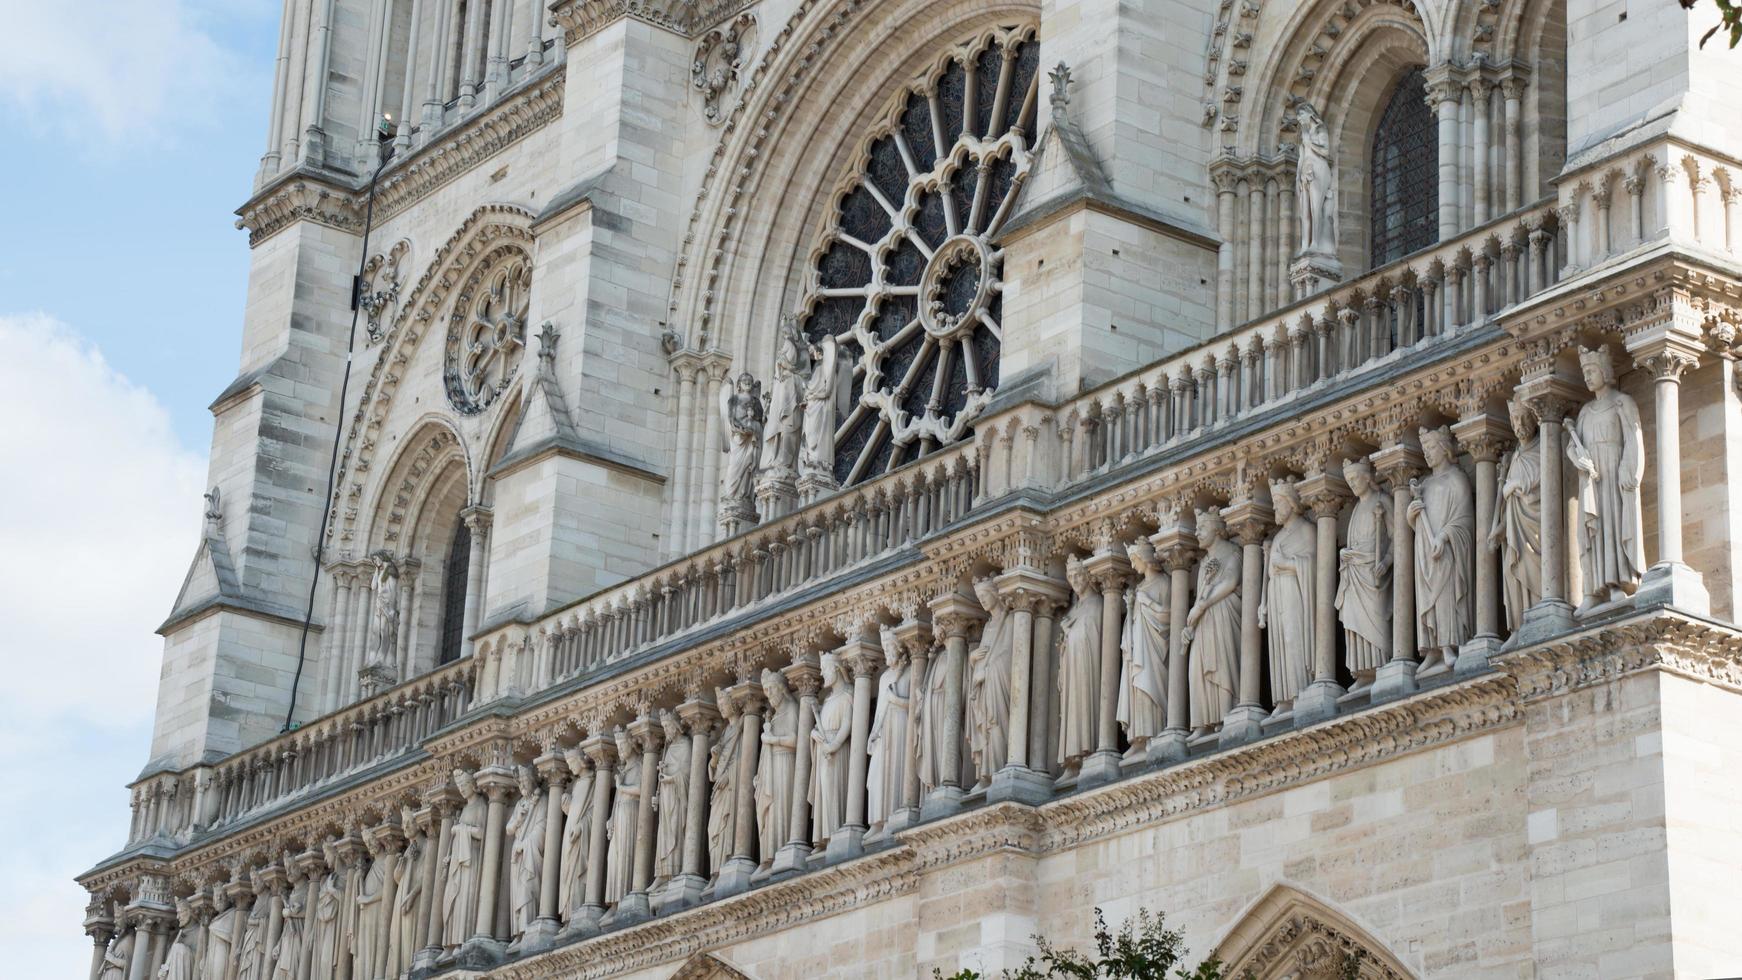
(780, 440)
(407, 889)
(1442, 510)
(1315, 186)
(253, 932)
(1607, 447)
(115, 958)
(1212, 629)
(1142, 707)
(381, 654)
(1079, 669)
(775, 765)
(371, 918)
(825, 399)
(931, 714)
(828, 748)
(741, 413)
(886, 776)
(181, 964)
(326, 933)
(526, 854)
(723, 778)
(1517, 530)
(465, 863)
(674, 798)
(1364, 577)
(988, 694)
(1286, 609)
(625, 807)
(288, 954)
(577, 831)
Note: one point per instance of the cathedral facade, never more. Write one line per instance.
(837, 488)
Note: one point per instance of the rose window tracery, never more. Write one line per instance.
(487, 331)
(907, 277)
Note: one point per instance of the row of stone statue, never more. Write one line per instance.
(1035, 683)
(782, 444)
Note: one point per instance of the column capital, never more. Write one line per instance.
(863, 656)
(1399, 462)
(914, 634)
(1665, 351)
(477, 517)
(804, 675)
(955, 614)
(601, 748)
(1324, 493)
(647, 733)
(1551, 397)
(747, 697)
(1249, 521)
(1029, 588)
(1483, 435)
(700, 716)
(551, 766)
(385, 837)
(1108, 568)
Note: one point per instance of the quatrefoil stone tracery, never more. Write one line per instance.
(907, 278)
(488, 334)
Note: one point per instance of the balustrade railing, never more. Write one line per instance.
(177, 804)
(1410, 305)
(761, 565)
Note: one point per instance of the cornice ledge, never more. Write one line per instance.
(581, 19)
(517, 115)
(303, 195)
(1434, 717)
(1660, 639)
(805, 898)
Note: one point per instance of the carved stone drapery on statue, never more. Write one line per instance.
(1212, 630)
(1607, 447)
(1079, 666)
(742, 421)
(1286, 610)
(380, 669)
(1142, 707)
(775, 766)
(1315, 192)
(674, 795)
(988, 687)
(1442, 514)
(887, 772)
(1517, 530)
(1364, 576)
(526, 855)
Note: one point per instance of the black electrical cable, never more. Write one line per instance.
(385, 137)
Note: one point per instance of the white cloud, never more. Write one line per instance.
(118, 68)
(99, 516)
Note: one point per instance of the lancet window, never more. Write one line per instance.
(1404, 170)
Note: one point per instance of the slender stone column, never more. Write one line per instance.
(700, 717)
(1111, 571)
(1026, 590)
(1668, 354)
(341, 628)
(602, 749)
(444, 804)
(100, 926)
(734, 877)
(1250, 521)
(1550, 398)
(863, 655)
(1226, 180)
(1254, 248)
(954, 615)
(704, 530)
(650, 738)
(140, 957)
(683, 365)
(1481, 92)
(478, 522)
(805, 679)
(1178, 549)
(1324, 493)
(386, 844)
(549, 923)
(1399, 463)
(1484, 437)
(1512, 88)
(471, 52)
(275, 880)
(915, 637)
(1442, 95)
(1043, 718)
(497, 785)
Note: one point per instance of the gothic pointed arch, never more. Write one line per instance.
(1290, 934)
(705, 966)
(460, 276)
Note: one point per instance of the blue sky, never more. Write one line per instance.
(129, 133)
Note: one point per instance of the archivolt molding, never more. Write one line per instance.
(487, 231)
(431, 440)
(705, 967)
(1291, 934)
(742, 158)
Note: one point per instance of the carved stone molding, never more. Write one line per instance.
(718, 60)
(1694, 648)
(1289, 934)
(581, 19)
(301, 197)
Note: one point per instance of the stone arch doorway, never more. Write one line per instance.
(1289, 935)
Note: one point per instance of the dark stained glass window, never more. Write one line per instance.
(1404, 215)
(454, 594)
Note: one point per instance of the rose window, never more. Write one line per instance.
(488, 332)
(907, 277)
